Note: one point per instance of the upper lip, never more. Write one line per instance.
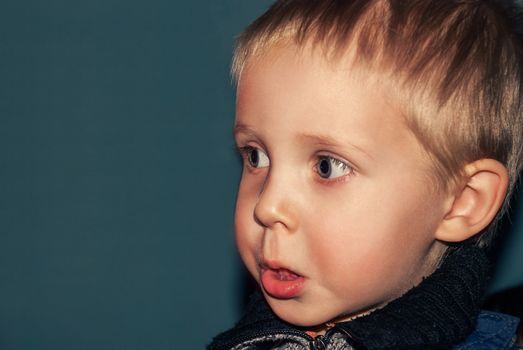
(275, 265)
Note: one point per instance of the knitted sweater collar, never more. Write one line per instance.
(439, 312)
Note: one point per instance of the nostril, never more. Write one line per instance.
(266, 213)
(258, 221)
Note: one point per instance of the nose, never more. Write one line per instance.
(276, 204)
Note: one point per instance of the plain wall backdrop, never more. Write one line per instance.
(118, 174)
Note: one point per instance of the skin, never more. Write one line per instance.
(362, 236)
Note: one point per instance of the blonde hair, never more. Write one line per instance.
(456, 65)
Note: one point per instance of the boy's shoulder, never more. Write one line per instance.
(493, 331)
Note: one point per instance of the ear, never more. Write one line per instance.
(476, 203)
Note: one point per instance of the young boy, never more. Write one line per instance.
(381, 140)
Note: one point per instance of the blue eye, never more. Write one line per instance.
(255, 157)
(331, 168)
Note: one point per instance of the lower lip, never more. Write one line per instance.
(281, 284)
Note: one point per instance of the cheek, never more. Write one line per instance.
(360, 238)
(244, 211)
(246, 228)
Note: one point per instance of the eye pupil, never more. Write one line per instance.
(324, 168)
(254, 158)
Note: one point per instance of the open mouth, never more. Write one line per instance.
(281, 283)
(286, 275)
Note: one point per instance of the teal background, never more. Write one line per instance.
(118, 175)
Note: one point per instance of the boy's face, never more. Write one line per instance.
(336, 212)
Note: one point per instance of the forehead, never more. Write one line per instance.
(288, 77)
(301, 84)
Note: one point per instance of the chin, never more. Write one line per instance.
(292, 312)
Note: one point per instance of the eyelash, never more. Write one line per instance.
(245, 153)
(338, 164)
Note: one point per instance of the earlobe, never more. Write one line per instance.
(476, 204)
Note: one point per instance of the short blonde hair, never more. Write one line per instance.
(456, 65)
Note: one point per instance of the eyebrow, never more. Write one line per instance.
(322, 140)
(242, 128)
(325, 140)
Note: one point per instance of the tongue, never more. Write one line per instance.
(286, 275)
